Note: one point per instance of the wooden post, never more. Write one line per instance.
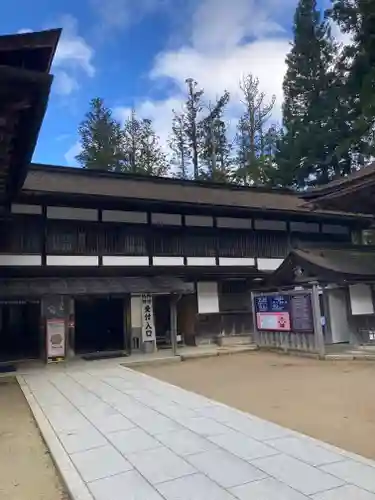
(318, 330)
(255, 329)
(174, 300)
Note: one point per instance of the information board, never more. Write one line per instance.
(301, 313)
(284, 312)
(273, 312)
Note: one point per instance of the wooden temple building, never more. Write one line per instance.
(95, 261)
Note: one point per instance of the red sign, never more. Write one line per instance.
(273, 321)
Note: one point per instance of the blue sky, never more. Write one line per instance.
(138, 53)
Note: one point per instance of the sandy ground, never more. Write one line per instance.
(328, 400)
(26, 469)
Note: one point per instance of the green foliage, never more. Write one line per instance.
(178, 144)
(193, 108)
(101, 139)
(310, 107)
(328, 123)
(215, 164)
(142, 151)
(255, 139)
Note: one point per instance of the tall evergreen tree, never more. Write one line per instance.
(306, 145)
(142, 151)
(101, 139)
(252, 129)
(215, 150)
(357, 17)
(192, 129)
(178, 143)
(132, 143)
(153, 160)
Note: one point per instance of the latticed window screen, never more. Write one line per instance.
(264, 244)
(72, 238)
(123, 240)
(200, 245)
(21, 235)
(167, 243)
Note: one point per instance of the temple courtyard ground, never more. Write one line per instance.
(333, 401)
(26, 468)
(116, 433)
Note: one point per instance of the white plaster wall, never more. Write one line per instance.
(168, 261)
(269, 264)
(124, 216)
(338, 315)
(136, 311)
(20, 260)
(117, 260)
(201, 261)
(18, 208)
(208, 297)
(232, 261)
(72, 260)
(71, 213)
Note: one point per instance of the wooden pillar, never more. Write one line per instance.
(318, 330)
(174, 300)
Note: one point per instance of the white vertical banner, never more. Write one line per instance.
(148, 325)
(55, 338)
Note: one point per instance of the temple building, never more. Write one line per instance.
(94, 261)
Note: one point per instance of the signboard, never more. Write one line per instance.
(273, 312)
(284, 313)
(148, 325)
(55, 338)
(302, 313)
(273, 322)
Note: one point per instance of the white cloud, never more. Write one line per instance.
(70, 155)
(160, 112)
(226, 39)
(65, 84)
(118, 14)
(74, 57)
(73, 51)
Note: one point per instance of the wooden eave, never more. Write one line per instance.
(107, 189)
(23, 101)
(25, 82)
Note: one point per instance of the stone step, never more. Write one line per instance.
(235, 340)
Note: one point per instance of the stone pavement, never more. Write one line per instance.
(116, 434)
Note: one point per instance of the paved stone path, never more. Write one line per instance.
(116, 434)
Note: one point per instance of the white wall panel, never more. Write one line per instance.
(201, 261)
(269, 264)
(20, 260)
(166, 219)
(208, 297)
(72, 213)
(168, 261)
(199, 220)
(124, 216)
(270, 225)
(232, 261)
(18, 208)
(72, 260)
(117, 260)
(361, 301)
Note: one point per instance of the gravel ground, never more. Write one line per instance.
(333, 401)
(26, 469)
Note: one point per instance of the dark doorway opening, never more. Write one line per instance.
(99, 325)
(162, 316)
(19, 330)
